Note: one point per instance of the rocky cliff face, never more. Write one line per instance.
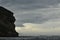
(7, 26)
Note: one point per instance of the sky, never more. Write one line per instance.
(35, 17)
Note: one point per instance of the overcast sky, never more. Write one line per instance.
(35, 17)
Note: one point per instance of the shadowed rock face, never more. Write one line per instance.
(7, 26)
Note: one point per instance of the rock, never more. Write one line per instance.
(7, 26)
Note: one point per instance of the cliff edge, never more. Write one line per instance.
(7, 26)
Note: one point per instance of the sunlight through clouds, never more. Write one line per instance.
(51, 28)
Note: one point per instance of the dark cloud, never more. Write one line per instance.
(19, 6)
(28, 4)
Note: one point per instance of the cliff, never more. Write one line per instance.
(7, 26)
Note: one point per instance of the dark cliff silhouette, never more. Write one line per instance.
(7, 26)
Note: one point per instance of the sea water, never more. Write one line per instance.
(31, 38)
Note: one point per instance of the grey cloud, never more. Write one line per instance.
(28, 4)
(22, 5)
(37, 17)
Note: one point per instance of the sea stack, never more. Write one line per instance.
(7, 26)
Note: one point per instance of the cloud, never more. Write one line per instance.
(38, 16)
(47, 28)
(33, 11)
(28, 4)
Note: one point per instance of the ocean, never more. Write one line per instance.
(31, 38)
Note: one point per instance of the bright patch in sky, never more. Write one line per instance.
(50, 28)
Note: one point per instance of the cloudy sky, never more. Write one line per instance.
(35, 17)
